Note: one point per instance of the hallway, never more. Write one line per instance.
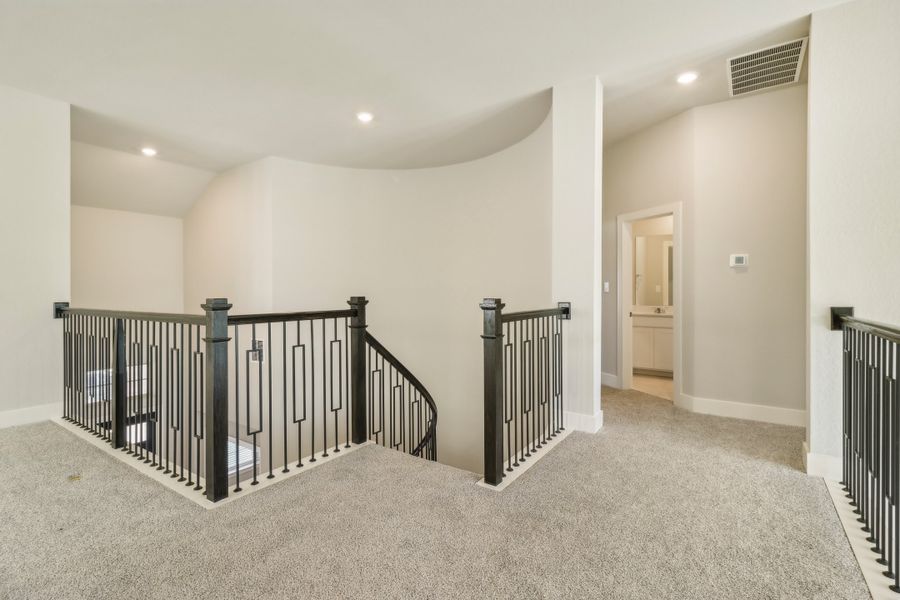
(661, 503)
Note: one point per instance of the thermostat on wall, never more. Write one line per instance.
(738, 260)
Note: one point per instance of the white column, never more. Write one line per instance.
(34, 253)
(852, 207)
(577, 213)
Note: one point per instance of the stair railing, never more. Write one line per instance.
(220, 400)
(871, 431)
(523, 384)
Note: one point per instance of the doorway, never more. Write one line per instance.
(650, 301)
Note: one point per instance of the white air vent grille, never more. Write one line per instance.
(767, 68)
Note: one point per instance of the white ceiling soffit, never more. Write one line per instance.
(105, 178)
(765, 69)
(638, 100)
(214, 84)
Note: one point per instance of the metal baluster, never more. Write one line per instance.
(382, 378)
(340, 382)
(154, 375)
(347, 343)
(259, 414)
(519, 400)
(200, 399)
(878, 530)
(299, 422)
(312, 372)
(508, 399)
(181, 356)
(237, 409)
(284, 437)
(894, 562)
(271, 427)
(327, 386)
(191, 389)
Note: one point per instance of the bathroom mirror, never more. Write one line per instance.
(653, 270)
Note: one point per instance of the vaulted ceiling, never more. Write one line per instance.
(214, 84)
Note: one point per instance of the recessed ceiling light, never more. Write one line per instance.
(364, 117)
(148, 151)
(686, 78)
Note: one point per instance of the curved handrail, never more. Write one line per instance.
(430, 432)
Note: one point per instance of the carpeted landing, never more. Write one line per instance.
(660, 504)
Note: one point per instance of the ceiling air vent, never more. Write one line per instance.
(767, 68)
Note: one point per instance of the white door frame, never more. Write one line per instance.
(626, 293)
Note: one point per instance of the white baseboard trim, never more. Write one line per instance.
(742, 410)
(582, 422)
(30, 414)
(873, 573)
(189, 492)
(609, 379)
(524, 466)
(822, 465)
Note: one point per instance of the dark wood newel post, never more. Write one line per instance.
(358, 368)
(216, 391)
(493, 390)
(118, 406)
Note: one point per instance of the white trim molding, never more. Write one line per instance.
(624, 295)
(742, 410)
(822, 465)
(511, 476)
(189, 492)
(609, 379)
(30, 414)
(873, 573)
(582, 422)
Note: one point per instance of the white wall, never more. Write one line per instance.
(425, 246)
(576, 250)
(651, 168)
(739, 169)
(126, 261)
(854, 190)
(34, 252)
(228, 241)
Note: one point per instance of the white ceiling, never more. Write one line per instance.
(106, 178)
(213, 84)
(634, 101)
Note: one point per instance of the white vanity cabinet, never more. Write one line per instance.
(651, 342)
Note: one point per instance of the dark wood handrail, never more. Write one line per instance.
(561, 311)
(291, 316)
(134, 315)
(880, 329)
(844, 316)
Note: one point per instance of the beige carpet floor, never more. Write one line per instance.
(660, 504)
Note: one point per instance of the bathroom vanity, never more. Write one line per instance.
(652, 340)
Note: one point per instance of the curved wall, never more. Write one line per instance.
(424, 245)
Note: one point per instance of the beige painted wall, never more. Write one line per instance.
(126, 261)
(423, 245)
(651, 168)
(228, 241)
(854, 190)
(739, 168)
(34, 248)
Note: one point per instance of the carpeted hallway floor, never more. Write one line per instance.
(660, 504)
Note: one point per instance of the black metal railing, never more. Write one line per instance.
(871, 432)
(219, 400)
(402, 414)
(523, 384)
